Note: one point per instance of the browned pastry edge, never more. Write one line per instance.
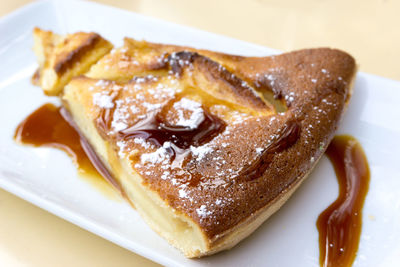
(62, 57)
(67, 60)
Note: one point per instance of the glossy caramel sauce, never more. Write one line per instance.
(47, 127)
(339, 225)
(154, 130)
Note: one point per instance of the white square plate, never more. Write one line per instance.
(47, 178)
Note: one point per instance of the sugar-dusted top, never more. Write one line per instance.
(199, 128)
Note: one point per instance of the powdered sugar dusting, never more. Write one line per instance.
(182, 193)
(142, 142)
(201, 151)
(197, 113)
(122, 146)
(103, 100)
(120, 116)
(203, 212)
(157, 156)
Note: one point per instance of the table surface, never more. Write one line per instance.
(367, 29)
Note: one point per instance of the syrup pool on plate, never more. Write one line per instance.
(339, 225)
(47, 127)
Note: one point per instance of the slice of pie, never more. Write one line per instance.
(208, 145)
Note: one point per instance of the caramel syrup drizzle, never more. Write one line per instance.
(339, 225)
(47, 126)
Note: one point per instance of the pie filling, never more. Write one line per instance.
(174, 226)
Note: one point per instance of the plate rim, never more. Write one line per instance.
(71, 216)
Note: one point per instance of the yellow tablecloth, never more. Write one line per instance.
(368, 29)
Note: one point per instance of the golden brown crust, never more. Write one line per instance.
(314, 84)
(75, 48)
